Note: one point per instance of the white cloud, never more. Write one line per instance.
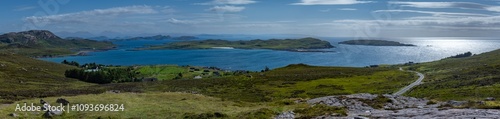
(461, 5)
(202, 19)
(325, 10)
(92, 15)
(24, 8)
(493, 8)
(176, 21)
(226, 8)
(443, 14)
(348, 9)
(442, 22)
(166, 9)
(230, 2)
(330, 2)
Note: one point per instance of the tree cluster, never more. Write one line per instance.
(102, 75)
(467, 54)
(72, 63)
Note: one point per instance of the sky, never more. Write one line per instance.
(332, 18)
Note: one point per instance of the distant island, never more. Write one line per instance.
(185, 38)
(43, 43)
(374, 43)
(298, 45)
(156, 37)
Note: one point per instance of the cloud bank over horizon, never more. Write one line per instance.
(337, 18)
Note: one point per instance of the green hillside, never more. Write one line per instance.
(468, 78)
(45, 43)
(22, 77)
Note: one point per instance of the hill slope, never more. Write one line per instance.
(469, 78)
(43, 42)
(22, 77)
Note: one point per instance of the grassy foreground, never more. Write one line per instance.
(172, 106)
(143, 105)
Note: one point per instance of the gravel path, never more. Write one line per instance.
(407, 88)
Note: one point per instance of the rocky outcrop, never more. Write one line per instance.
(14, 115)
(360, 106)
(286, 115)
(50, 114)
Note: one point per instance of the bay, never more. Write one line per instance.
(427, 49)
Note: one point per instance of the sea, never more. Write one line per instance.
(428, 49)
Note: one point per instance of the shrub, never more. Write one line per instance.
(215, 115)
(262, 113)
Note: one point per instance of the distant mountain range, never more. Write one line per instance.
(45, 43)
(109, 35)
(85, 34)
(156, 37)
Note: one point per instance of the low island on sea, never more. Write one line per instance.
(374, 43)
(296, 45)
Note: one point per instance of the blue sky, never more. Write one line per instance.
(341, 18)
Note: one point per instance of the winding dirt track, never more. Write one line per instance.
(407, 88)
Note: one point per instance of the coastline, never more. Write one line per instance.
(344, 55)
(80, 52)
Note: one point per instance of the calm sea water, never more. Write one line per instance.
(428, 49)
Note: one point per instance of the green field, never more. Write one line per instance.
(378, 83)
(169, 72)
